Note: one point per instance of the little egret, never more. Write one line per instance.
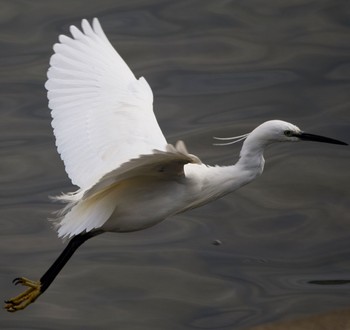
(107, 135)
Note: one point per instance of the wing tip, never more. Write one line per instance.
(95, 22)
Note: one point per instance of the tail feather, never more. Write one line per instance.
(83, 215)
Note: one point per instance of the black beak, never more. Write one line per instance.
(312, 137)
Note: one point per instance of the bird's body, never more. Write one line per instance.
(145, 200)
(108, 137)
(153, 201)
(151, 189)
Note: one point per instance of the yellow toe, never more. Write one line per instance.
(26, 298)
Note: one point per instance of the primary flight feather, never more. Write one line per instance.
(129, 178)
(102, 115)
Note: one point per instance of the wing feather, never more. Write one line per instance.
(102, 115)
(90, 209)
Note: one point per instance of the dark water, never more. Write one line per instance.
(216, 68)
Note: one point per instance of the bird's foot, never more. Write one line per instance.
(25, 298)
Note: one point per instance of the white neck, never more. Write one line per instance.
(214, 182)
(249, 166)
(251, 161)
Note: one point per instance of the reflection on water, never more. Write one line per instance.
(217, 68)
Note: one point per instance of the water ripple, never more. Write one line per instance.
(217, 68)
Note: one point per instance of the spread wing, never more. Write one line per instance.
(102, 115)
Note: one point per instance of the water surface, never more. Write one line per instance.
(216, 68)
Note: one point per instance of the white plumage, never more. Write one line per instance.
(102, 119)
(102, 115)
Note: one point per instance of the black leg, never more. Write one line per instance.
(36, 288)
(60, 262)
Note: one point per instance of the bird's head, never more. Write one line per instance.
(278, 131)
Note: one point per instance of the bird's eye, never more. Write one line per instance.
(288, 133)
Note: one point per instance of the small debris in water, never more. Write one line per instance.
(217, 242)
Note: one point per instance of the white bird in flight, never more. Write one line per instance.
(112, 147)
